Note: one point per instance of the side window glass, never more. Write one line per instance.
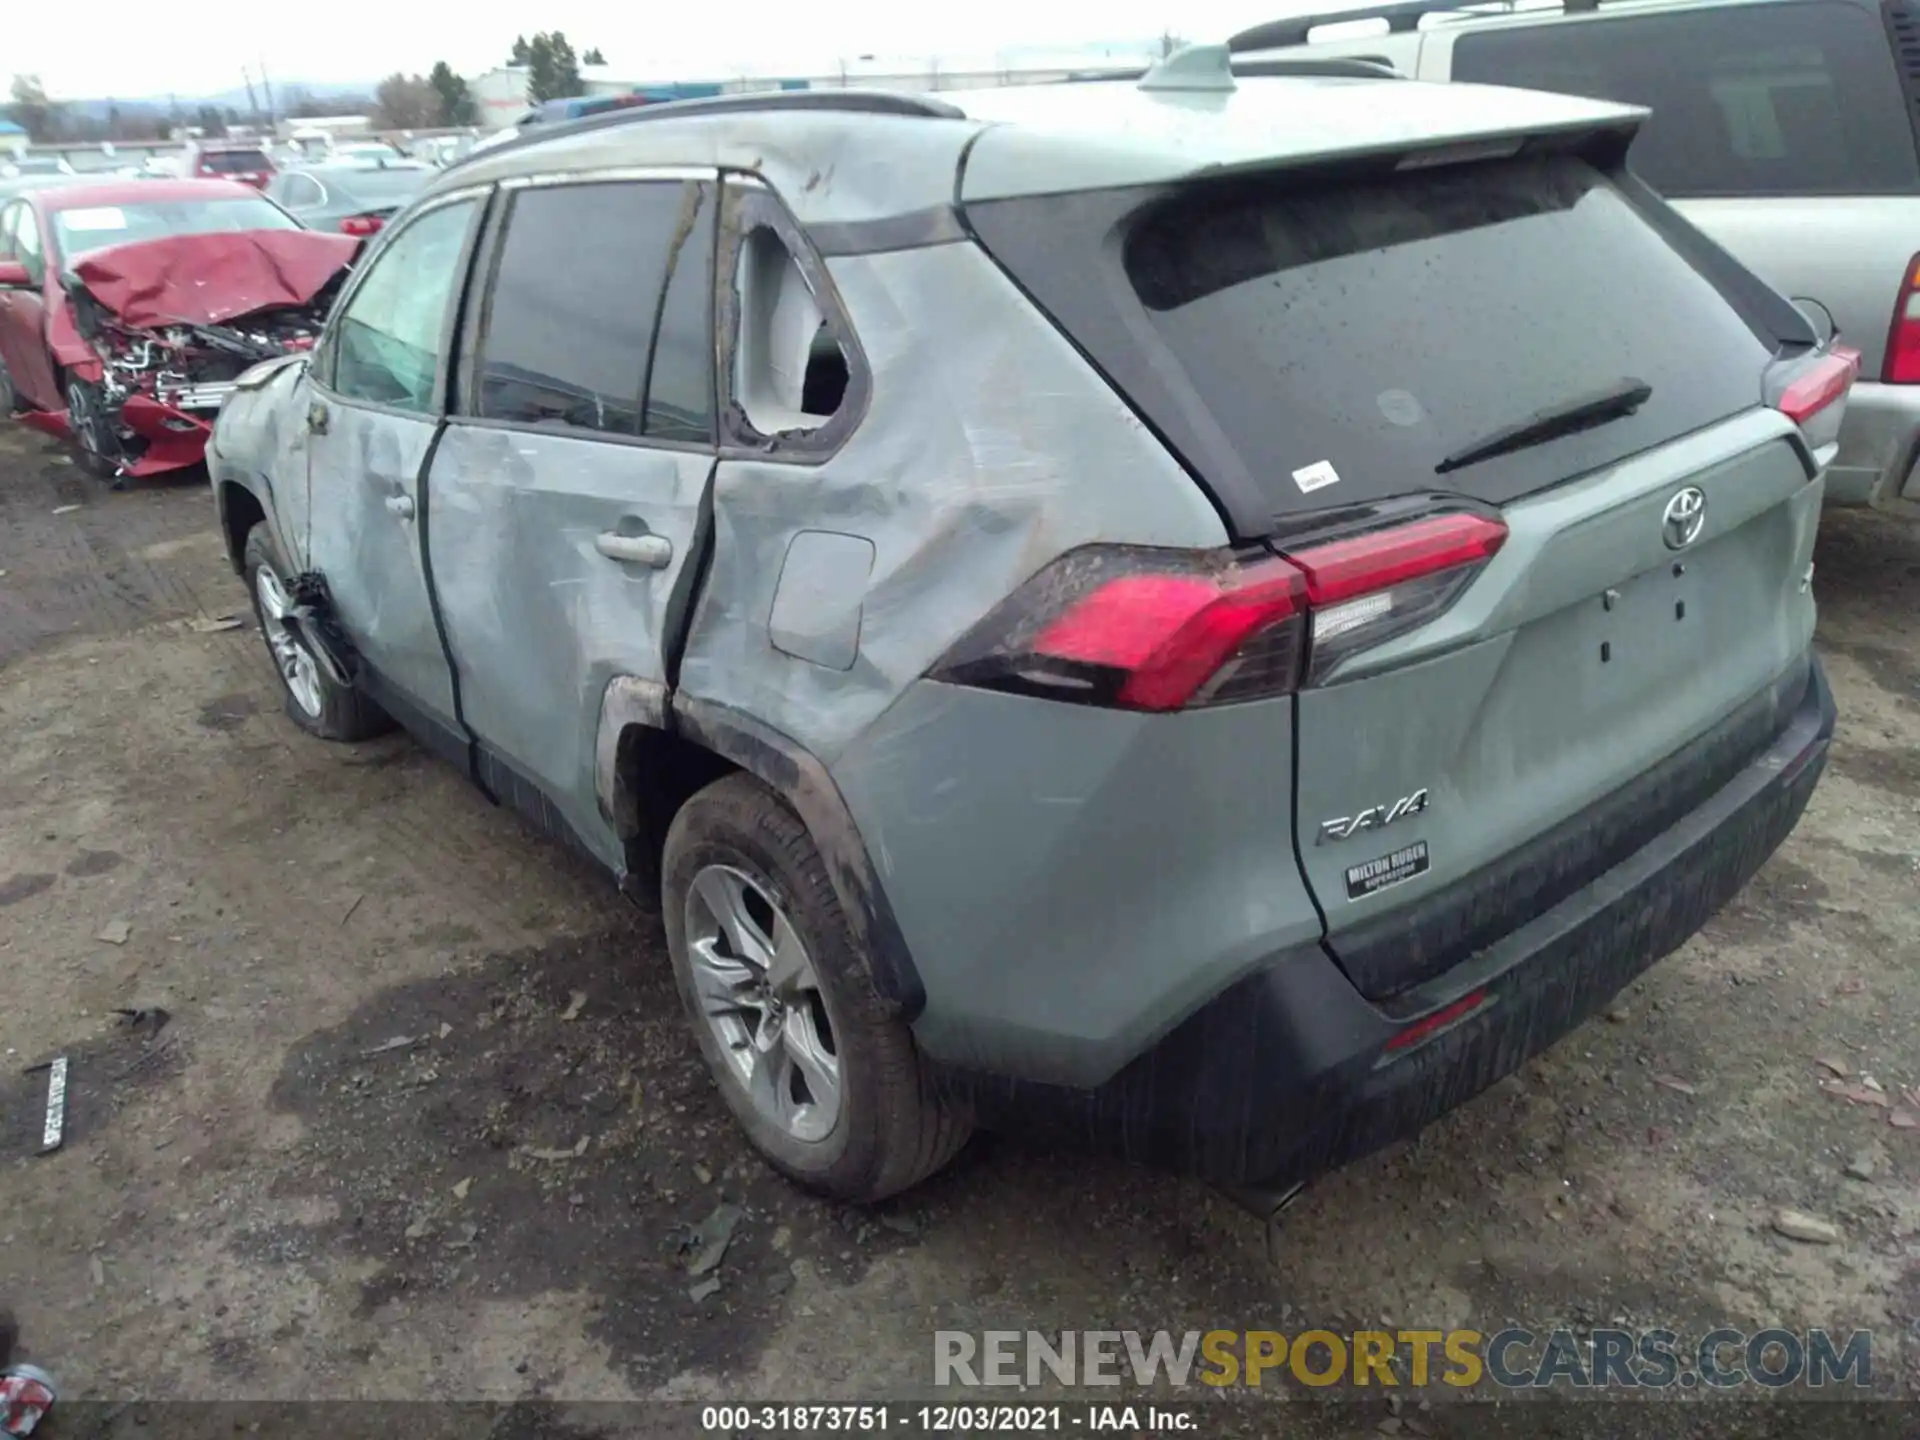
(387, 349)
(9, 218)
(26, 242)
(600, 298)
(789, 372)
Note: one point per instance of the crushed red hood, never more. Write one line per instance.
(210, 279)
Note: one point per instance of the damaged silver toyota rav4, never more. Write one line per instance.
(1209, 619)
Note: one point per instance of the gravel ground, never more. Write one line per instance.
(423, 1121)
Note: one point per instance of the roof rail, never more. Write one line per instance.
(1339, 67)
(1402, 17)
(863, 102)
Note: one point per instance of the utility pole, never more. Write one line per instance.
(266, 85)
(253, 105)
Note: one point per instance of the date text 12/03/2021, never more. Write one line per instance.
(961, 1419)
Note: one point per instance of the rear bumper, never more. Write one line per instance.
(1286, 1074)
(1879, 459)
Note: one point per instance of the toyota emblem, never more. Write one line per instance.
(1686, 515)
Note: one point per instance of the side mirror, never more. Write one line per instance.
(14, 276)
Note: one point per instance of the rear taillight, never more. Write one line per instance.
(1823, 382)
(1903, 340)
(360, 225)
(1145, 629)
(1373, 586)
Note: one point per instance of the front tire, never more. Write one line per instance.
(9, 393)
(825, 1079)
(96, 448)
(314, 702)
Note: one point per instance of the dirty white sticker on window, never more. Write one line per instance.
(103, 217)
(1316, 476)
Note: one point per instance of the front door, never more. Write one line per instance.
(374, 406)
(23, 311)
(567, 491)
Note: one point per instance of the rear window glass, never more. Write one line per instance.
(233, 162)
(1340, 341)
(1799, 99)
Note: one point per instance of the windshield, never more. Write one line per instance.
(84, 229)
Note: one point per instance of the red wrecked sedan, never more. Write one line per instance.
(128, 309)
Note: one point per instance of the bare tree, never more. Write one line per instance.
(405, 102)
(31, 110)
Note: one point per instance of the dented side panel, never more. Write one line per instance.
(364, 506)
(260, 444)
(988, 449)
(545, 609)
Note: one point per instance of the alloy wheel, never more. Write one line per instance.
(759, 994)
(297, 667)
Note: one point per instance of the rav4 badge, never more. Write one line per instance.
(1375, 817)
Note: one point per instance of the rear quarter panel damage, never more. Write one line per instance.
(989, 448)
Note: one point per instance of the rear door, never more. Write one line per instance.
(567, 493)
(1781, 129)
(1515, 439)
(376, 404)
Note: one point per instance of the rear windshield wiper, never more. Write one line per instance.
(1623, 397)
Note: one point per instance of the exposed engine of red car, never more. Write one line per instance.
(176, 321)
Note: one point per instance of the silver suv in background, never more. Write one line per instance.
(1207, 620)
(1785, 129)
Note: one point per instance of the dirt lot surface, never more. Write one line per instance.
(424, 1120)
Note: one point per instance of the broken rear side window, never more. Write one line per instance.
(599, 316)
(1333, 340)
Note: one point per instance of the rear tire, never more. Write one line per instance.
(850, 1111)
(9, 395)
(314, 702)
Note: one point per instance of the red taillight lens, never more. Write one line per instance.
(1168, 637)
(360, 225)
(1171, 630)
(1903, 340)
(1440, 1020)
(1366, 589)
(1822, 383)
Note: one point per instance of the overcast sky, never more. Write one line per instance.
(142, 48)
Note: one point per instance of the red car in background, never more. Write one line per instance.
(239, 161)
(127, 310)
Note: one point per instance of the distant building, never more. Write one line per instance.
(13, 138)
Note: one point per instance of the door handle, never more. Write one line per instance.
(317, 417)
(654, 550)
(400, 505)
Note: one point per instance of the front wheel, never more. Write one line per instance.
(314, 702)
(96, 446)
(824, 1078)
